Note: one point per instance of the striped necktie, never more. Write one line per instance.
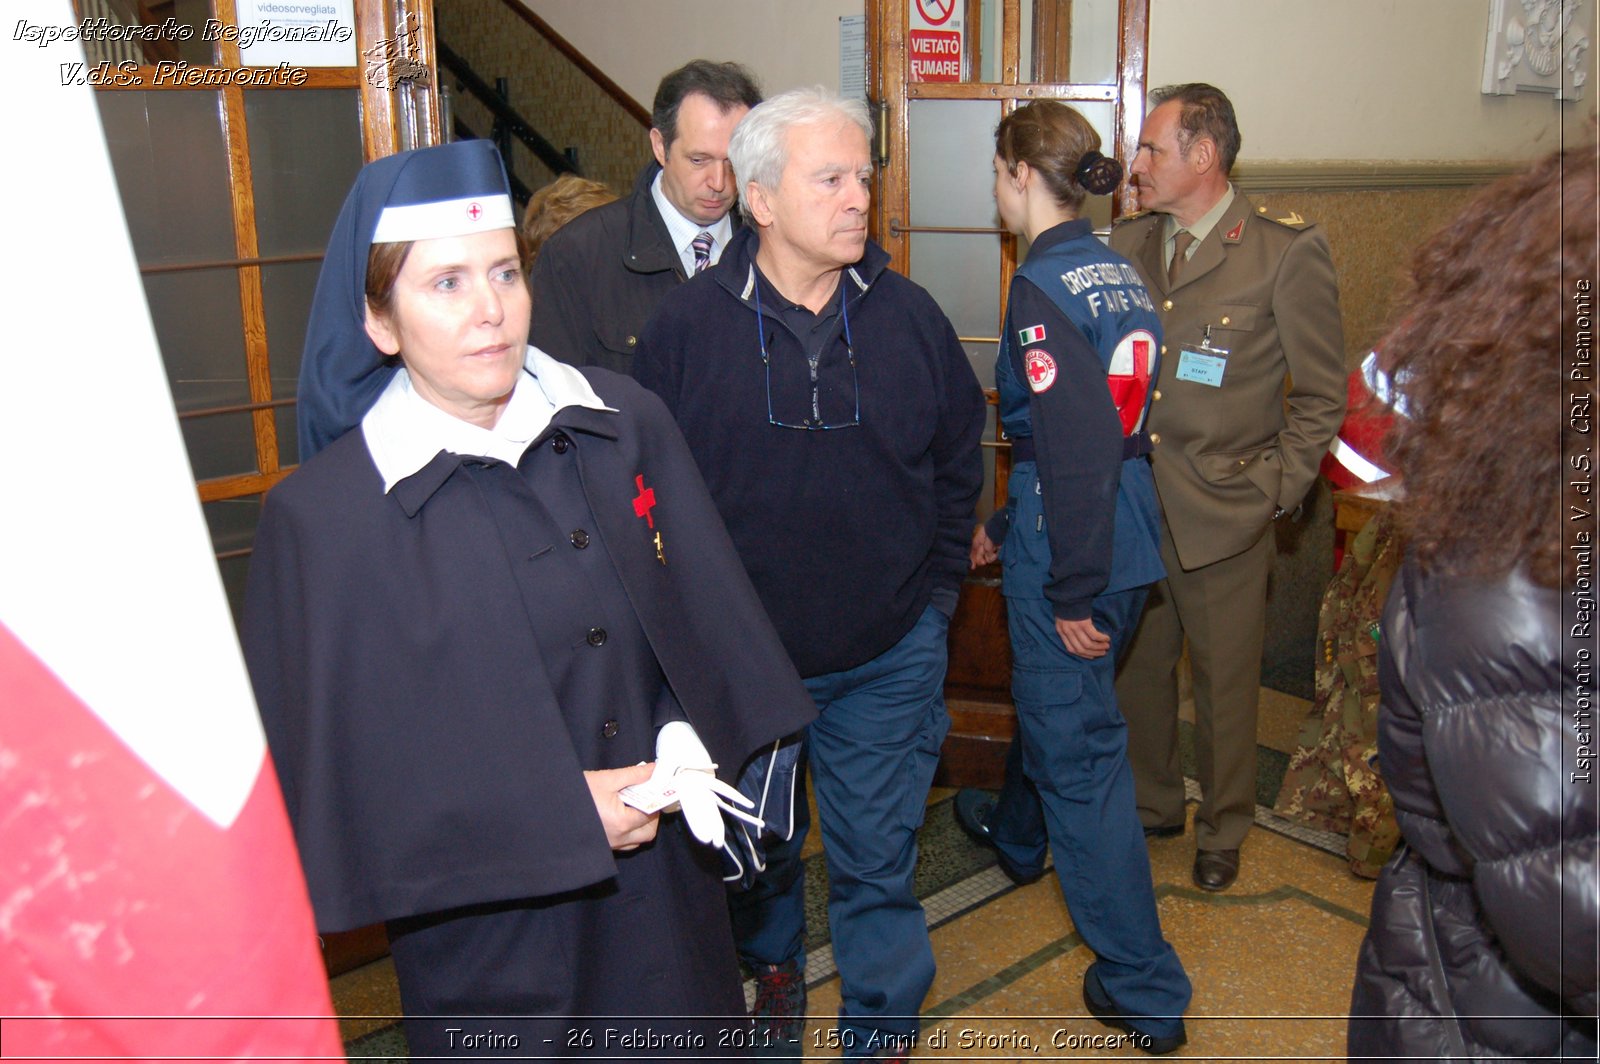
(702, 251)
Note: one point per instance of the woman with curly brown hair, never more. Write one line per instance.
(1484, 923)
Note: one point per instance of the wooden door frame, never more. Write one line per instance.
(890, 92)
(977, 688)
(397, 112)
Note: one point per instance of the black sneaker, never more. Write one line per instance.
(974, 809)
(1107, 1013)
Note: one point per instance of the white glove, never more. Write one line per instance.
(682, 757)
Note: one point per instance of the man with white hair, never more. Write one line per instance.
(836, 420)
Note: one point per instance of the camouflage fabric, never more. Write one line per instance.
(1332, 782)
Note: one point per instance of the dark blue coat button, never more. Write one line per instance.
(580, 539)
(597, 636)
(609, 730)
(560, 443)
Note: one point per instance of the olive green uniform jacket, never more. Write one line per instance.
(1227, 457)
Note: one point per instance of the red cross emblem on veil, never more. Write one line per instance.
(474, 211)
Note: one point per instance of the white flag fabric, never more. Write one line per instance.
(151, 901)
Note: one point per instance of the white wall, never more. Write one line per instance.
(1358, 79)
(1311, 79)
(785, 43)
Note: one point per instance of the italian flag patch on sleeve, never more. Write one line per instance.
(1033, 334)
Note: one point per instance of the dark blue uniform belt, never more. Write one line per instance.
(1132, 447)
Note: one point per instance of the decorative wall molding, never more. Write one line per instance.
(1355, 175)
(1538, 46)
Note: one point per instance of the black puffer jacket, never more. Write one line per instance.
(1484, 923)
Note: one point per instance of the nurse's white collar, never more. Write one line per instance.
(404, 431)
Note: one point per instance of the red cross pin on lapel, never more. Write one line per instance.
(643, 503)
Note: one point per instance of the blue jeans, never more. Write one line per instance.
(873, 750)
(1075, 787)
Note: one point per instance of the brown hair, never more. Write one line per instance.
(558, 203)
(1478, 359)
(1060, 146)
(384, 263)
(728, 85)
(1204, 111)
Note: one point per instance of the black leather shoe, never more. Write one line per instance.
(1216, 869)
(973, 809)
(1163, 831)
(1108, 1014)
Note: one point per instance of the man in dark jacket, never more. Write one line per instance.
(836, 419)
(600, 277)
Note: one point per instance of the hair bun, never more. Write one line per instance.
(1098, 174)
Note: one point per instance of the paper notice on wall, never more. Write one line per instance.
(853, 57)
(299, 33)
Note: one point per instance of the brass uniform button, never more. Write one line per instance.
(1155, 437)
(1227, 320)
(1167, 305)
(1158, 395)
(632, 340)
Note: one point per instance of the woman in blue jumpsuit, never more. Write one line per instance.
(1078, 541)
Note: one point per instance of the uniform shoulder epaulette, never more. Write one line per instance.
(1134, 217)
(1287, 218)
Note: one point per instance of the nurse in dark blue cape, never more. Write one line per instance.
(495, 594)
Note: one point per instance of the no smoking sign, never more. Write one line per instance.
(934, 41)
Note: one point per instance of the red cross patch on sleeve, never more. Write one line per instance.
(1039, 368)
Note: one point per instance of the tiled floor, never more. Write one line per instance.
(1271, 960)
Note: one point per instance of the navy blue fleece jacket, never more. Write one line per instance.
(848, 533)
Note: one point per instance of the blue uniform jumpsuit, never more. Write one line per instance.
(1080, 538)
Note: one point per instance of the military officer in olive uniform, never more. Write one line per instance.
(1250, 394)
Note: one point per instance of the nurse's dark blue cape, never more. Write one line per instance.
(360, 602)
(361, 606)
(341, 372)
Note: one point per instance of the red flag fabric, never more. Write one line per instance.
(134, 926)
(151, 901)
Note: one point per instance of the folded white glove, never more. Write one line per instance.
(682, 757)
